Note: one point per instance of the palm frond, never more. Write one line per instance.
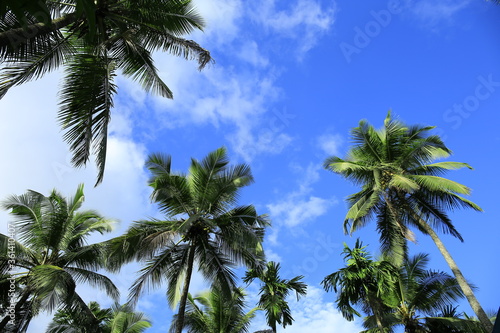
(86, 102)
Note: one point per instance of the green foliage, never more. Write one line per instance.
(52, 254)
(273, 293)
(401, 184)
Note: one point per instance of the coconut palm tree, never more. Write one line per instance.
(273, 293)
(401, 188)
(203, 228)
(52, 255)
(212, 312)
(362, 283)
(416, 295)
(117, 319)
(92, 40)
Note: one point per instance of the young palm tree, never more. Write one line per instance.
(93, 40)
(203, 227)
(213, 312)
(417, 294)
(273, 293)
(401, 187)
(362, 282)
(117, 319)
(52, 255)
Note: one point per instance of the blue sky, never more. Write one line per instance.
(291, 78)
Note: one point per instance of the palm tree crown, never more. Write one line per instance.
(203, 225)
(52, 254)
(93, 40)
(402, 188)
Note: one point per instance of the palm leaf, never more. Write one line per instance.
(86, 119)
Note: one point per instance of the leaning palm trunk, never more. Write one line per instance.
(467, 290)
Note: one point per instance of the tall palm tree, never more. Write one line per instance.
(203, 227)
(213, 312)
(401, 188)
(416, 295)
(93, 40)
(117, 319)
(362, 283)
(273, 293)
(52, 254)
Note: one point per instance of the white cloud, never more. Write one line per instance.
(293, 212)
(330, 143)
(221, 20)
(250, 52)
(313, 314)
(241, 95)
(298, 207)
(273, 256)
(305, 22)
(434, 12)
(237, 99)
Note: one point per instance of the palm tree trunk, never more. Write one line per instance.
(185, 291)
(467, 290)
(376, 313)
(14, 37)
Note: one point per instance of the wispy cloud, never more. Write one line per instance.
(242, 96)
(330, 143)
(297, 211)
(304, 22)
(299, 206)
(432, 13)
